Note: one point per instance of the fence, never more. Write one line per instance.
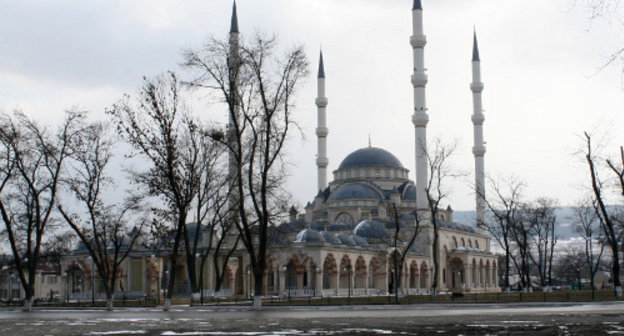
(134, 301)
(558, 296)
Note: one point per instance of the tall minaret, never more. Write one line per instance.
(479, 146)
(321, 130)
(234, 67)
(420, 117)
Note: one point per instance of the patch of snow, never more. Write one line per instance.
(119, 332)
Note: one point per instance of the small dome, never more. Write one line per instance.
(286, 228)
(330, 238)
(338, 227)
(371, 229)
(309, 236)
(356, 191)
(359, 240)
(345, 240)
(370, 157)
(410, 193)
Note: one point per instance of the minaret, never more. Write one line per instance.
(321, 130)
(420, 118)
(479, 146)
(234, 67)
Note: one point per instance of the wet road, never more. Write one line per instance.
(453, 319)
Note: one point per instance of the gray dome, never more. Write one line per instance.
(410, 193)
(309, 236)
(356, 191)
(371, 229)
(330, 238)
(346, 240)
(370, 157)
(359, 240)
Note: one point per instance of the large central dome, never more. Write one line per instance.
(370, 157)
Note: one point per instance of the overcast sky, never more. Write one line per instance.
(539, 62)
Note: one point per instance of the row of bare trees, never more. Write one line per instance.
(53, 177)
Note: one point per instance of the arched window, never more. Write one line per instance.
(344, 219)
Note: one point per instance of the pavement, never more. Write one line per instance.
(605, 318)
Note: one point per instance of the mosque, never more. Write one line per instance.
(343, 243)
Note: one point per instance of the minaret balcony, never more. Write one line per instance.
(322, 162)
(322, 131)
(419, 79)
(418, 41)
(478, 119)
(478, 150)
(321, 102)
(420, 118)
(476, 87)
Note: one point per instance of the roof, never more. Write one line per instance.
(475, 49)
(370, 157)
(371, 229)
(321, 70)
(309, 236)
(234, 23)
(356, 191)
(456, 226)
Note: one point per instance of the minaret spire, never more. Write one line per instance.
(479, 145)
(321, 130)
(475, 49)
(234, 115)
(420, 118)
(234, 23)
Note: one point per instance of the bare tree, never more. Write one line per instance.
(403, 239)
(505, 210)
(259, 90)
(33, 159)
(104, 230)
(606, 216)
(436, 190)
(587, 223)
(521, 233)
(162, 130)
(542, 218)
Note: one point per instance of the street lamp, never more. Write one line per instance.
(92, 284)
(318, 271)
(348, 270)
(248, 284)
(11, 277)
(166, 284)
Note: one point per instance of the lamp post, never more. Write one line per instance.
(248, 285)
(92, 284)
(317, 271)
(348, 270)
(286, 284)
(10, 287)
(166, 284)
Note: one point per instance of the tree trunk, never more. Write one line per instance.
(28, 304)
(258, 279)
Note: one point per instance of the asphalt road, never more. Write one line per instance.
(429, 319)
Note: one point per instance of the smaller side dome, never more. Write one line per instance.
(330, 238)
(309, 236)
(410, 193)
(371, 229)
(359, 240)
(345, 240)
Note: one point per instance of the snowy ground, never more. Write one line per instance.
(483, 319)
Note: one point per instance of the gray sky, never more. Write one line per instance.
(538, 61)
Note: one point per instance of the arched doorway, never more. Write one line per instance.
(456, 267)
